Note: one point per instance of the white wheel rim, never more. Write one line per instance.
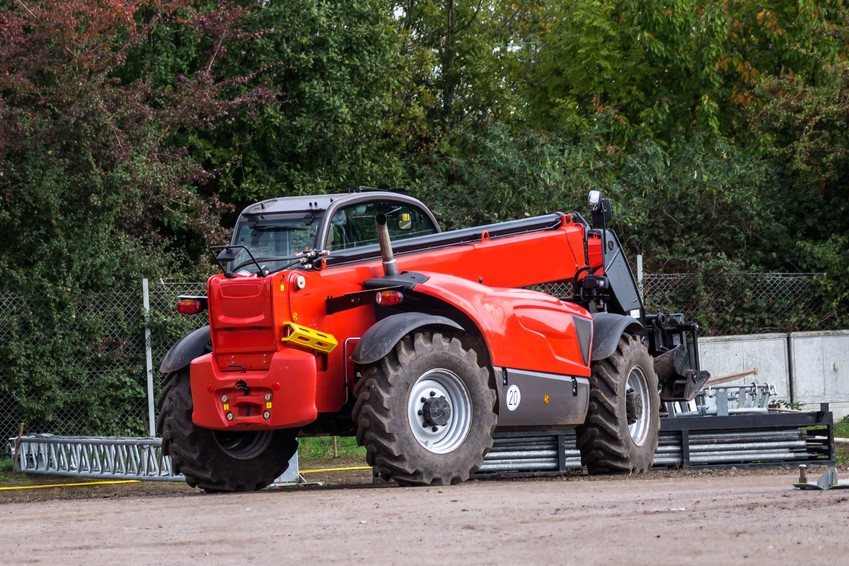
(433, 384)
(637, 384)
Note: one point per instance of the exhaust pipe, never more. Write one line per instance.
(390, 268)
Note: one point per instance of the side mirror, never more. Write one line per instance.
(601, 210)
(227, 253)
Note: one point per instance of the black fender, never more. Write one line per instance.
(608, 328)
(189, 347)
(379, 340)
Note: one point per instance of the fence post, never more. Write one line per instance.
(791, 373)
(148, 358)
(640, 276)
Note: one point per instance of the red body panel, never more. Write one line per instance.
(282, 397)
(522, 329)
(242, 325)
(248, 315)
(515, 261)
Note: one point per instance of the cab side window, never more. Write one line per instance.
(353, 226)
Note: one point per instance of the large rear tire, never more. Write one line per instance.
(425, 412)
(213, 460)
(621, 431)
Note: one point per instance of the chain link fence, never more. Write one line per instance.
(100, 352)
(739, 303)
(97, 348)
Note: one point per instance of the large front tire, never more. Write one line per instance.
(218, 461)
(425, 412)
(621, 431)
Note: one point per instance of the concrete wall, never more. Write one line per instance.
(806, 367)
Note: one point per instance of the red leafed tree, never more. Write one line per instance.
(88, 121)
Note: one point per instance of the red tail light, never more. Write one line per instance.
(191, 305)
(389, 298)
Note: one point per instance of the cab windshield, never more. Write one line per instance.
(273, 239)
(270, 238)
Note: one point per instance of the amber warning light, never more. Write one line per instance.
(191, 305)
(389, 298)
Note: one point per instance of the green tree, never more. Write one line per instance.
(498, 174)
(803, 130)
(662, 70)
(330, 68)
(461, 66)
(695, 205)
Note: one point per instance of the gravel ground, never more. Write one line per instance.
(712, 517)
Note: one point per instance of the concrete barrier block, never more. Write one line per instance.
(766, 353)
(821, 369)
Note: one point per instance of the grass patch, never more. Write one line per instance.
(841, 451)
(9, 477)
(6, 467)
(320, 447)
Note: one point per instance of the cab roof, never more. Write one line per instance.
(320, 203)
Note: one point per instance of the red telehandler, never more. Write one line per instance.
(354, 314)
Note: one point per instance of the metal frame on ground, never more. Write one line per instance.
(685, 442)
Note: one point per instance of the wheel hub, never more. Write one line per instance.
(439, 410)
(633, 406)
(243, 445)
(436, 411)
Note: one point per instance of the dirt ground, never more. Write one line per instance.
(672, 517)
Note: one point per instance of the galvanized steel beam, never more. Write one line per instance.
(685, 442)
